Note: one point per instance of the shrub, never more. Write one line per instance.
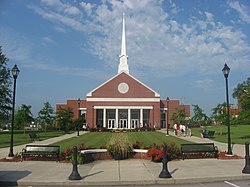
(156, 152)
(119, 144)
(68, 153)
(137, 144)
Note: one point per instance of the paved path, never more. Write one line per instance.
(123, 172)
(237, 149)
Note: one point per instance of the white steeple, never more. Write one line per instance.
(123, 65)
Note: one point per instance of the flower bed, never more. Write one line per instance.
(156, 152)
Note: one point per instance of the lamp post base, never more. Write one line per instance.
(10, 157)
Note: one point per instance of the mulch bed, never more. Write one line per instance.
(224, 156)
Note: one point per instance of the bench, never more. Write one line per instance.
(34, 136)
(41, 151)
(209, 134)
(199, 150)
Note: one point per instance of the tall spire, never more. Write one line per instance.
(123, 65)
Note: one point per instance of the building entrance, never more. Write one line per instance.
(123, 123)
(111, 123)
(134, 123)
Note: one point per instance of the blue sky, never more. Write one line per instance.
(64, 49)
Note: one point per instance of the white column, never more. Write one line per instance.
(116, 118)
(104, 117)
(129, 118)
(141, 117)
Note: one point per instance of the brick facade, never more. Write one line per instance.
(124, 95)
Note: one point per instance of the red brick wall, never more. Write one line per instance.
(110, 89)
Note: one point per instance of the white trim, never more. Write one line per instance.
(164, 109)
(123, 107)
(124, 99)
(82, 108)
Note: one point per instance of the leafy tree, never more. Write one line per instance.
(46, 115)
(5, 91)
(219, 114)
(65, 118)
(80, 122)
(199, 117)
(242, 93)
(23, 116)
(179, 116)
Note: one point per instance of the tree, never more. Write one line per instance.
(242, 93)
(5, 91)
(199, 117)
(179, 116)
(78, 123)
(46, 115)
(23, 117)
(65, 118)
(219, 114)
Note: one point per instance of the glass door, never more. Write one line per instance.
(111, 123)
(134, 123)
(123, 123)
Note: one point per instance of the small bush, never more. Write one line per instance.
(119, 144)
(137, 144)
(156, 152)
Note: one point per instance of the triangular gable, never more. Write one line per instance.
(136, 89)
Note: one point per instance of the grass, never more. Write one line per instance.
(239, 134)
(21, 137)
(98, 139)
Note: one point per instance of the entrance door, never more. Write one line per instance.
(111, 123)
(134, 123)
(123, 123)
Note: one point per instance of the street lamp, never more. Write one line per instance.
(79, 115)
(226, 71)
(167, 115)
(15, 71)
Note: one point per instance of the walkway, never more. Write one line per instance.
(123, 172)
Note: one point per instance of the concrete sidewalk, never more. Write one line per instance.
(123, 172)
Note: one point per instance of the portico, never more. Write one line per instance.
(123, 117)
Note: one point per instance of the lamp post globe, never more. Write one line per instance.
(226, 71)
(15, 72)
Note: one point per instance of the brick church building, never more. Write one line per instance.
(124, 102)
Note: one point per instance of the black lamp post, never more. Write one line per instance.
(15, 71)
(79, 115)
(226, 71)
(167, 115)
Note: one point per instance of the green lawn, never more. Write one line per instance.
(21, 138)
(239, 134)
(98, 139)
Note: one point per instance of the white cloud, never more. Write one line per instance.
(204, 84)
(87, 7)
(60, 29)
(209, 16)
(155, 41)
(47, 40)
(243, 10)
(18, 48)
